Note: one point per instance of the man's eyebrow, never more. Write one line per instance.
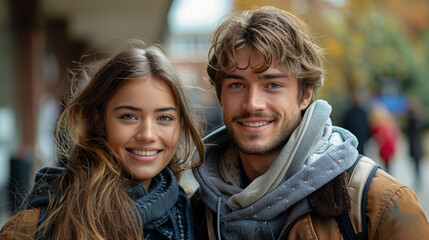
(233, 76)
(274, 75)
(262, 77)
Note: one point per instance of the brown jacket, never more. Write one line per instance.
(392, 210)
(21, 226)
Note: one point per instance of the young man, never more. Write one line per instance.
(278, 169)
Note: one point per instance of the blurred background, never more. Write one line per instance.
(377, 58)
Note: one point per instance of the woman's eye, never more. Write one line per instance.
(128, 117)
(165, 118)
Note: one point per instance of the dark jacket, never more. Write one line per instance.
(164, 208)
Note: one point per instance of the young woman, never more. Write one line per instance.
(120, 142)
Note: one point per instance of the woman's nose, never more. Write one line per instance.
(146, 132)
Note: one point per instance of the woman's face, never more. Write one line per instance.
(143, 127)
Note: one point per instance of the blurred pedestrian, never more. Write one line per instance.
(414, 130)
(356, 120)
(385, 132)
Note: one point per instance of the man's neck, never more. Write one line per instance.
(256, 165)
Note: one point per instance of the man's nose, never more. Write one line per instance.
(255, 100)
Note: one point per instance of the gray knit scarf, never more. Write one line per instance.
(292, 156)
(315, 154)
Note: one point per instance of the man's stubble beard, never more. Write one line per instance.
(270, 149)
(272, 146)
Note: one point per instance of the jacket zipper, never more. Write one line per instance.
(289, 224)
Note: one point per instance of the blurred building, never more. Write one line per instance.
(187, 41)
(41, 40)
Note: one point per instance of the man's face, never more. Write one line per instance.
(260, 110)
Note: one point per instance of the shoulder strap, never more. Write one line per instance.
(354, 224)
(374, 169)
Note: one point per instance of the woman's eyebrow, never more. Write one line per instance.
(128, 107)
(164, 109)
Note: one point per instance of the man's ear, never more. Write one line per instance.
(306, 98)
(219, 94)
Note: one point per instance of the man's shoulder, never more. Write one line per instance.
(394, 207)
(384, 184)
(387, 177)
(385, 188)
(382, 187)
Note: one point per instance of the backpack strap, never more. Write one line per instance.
(374, 169)
(353, 225)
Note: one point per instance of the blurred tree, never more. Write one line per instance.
(369, 44)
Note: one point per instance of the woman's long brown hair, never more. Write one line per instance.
(92, 202)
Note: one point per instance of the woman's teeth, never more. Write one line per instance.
(144, 153)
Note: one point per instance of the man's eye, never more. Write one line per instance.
(274, 85)
(128, 117)
(236, 85)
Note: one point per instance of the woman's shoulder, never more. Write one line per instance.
(21, 226)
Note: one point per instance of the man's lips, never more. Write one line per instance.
(254, 123)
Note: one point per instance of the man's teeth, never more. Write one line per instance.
(254, 124)
(144, 153)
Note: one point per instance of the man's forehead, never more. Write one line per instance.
(246, 57)
(257, 69)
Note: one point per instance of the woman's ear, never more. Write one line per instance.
(98, 124)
